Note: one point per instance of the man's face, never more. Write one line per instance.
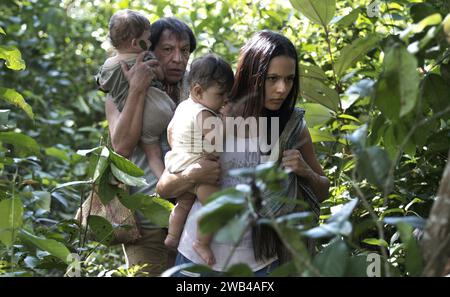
(173, 55)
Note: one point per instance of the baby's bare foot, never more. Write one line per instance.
(205, 253)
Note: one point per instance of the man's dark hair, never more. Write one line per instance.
(177, 27)
(209, 70)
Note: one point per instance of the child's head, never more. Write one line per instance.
(129, 31)
(210, 81)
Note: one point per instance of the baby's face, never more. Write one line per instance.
(214, 97)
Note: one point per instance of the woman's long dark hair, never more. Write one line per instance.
(248, 96)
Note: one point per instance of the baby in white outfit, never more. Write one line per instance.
(196, 129)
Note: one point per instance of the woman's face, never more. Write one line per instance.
(279, 81)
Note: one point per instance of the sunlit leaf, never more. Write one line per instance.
(13, 97)
(355, 52)
(319, 11)
(12, 56)
(11, 212)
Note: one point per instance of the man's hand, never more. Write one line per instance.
(141, 74)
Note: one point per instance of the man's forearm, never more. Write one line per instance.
(127, 130)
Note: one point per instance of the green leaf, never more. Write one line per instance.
(338, 224)
(125, 165)
(239, 270)
(44, 200)
(413, 221)
(347, 20)
(13, 97)
(23, 144)
(355, 52)
(102, 163)
(286, 269)
(233, 230)
(319, 11)
(102, 229)
(316, 91)
(316, 114)
(419, 11)
(333, 260)
(396, 91)
(54, 247)
(373, 163)
(413, 258)
(57, 153)
(4, 115)
(312, 71)
(94, 150)
(11, 212)
(376, 241)
(2, 31)
(156, 210)
(435, 91)
(128, 179)
(357, 266)
(106, 191)
(319, 136)
(12, 56)
(217, 213)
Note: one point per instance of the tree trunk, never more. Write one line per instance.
(436, 239)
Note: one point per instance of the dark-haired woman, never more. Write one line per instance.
(266, 86)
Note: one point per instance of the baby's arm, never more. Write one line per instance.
(153, 153)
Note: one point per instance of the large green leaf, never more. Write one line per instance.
(102, 229)
(373, 163)
(54, 247)
(12, 56)
(435, 91)
(13, 97)
(319, 11)
(106, 191)
(355, 52)
(125, 165)
(2, 31)
(128, 179)
(357, 266)
(11, 212)
(23, 144)
(316, 114)
(316, 91)
(156, 210)
(217, 213)
(396, 91)
(333, 260)
(312, 71)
